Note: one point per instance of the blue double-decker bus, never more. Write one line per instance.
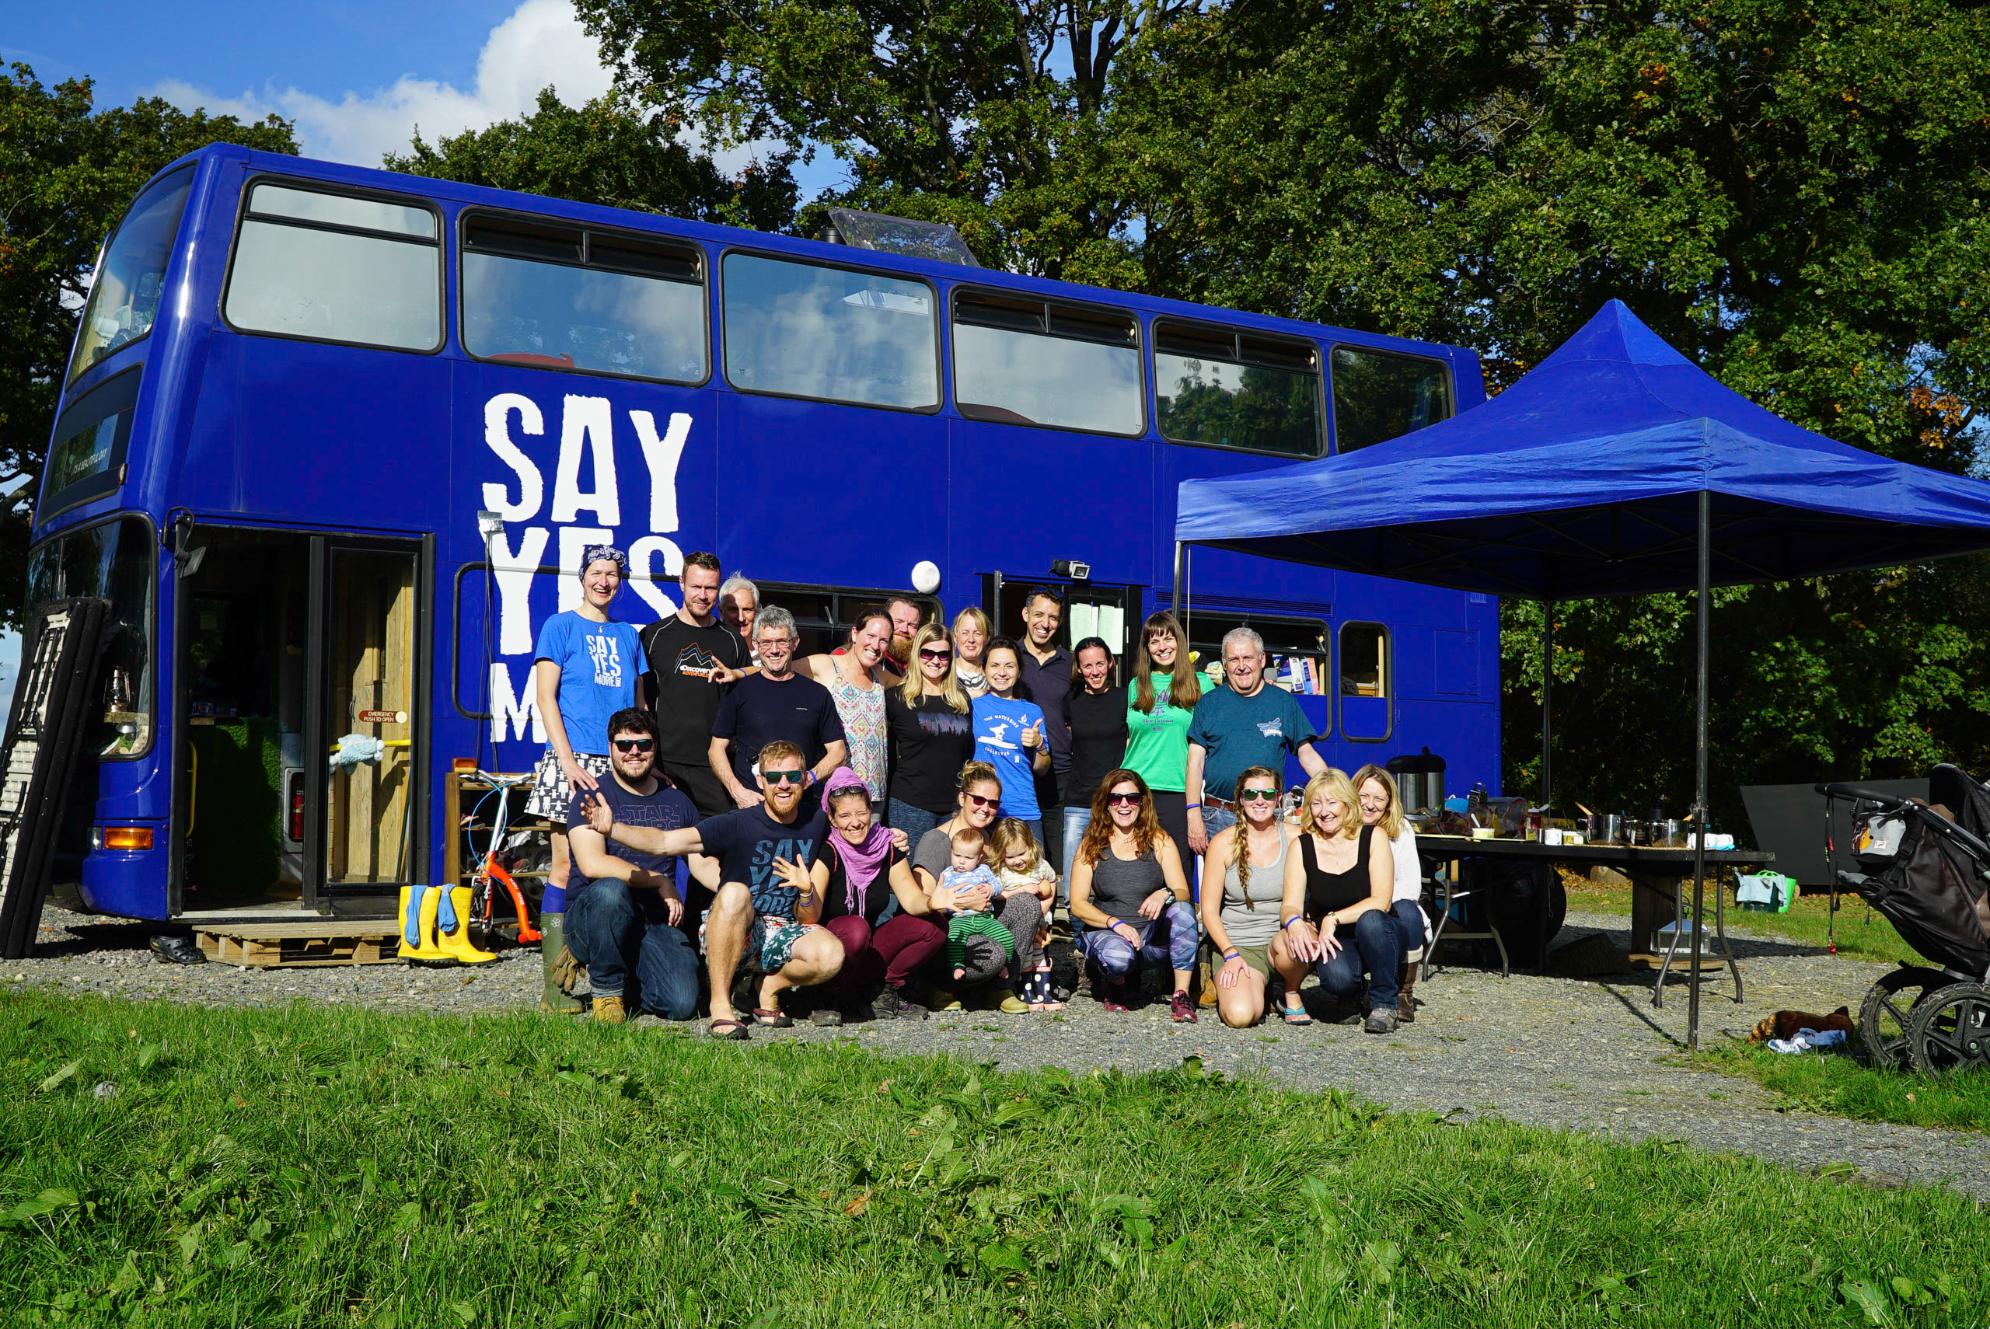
(332, 439)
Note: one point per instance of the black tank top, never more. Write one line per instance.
(1327, 891)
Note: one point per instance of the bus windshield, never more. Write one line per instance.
(131, 277)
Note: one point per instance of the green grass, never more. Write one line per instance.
(1860, 931)
(302, 1165)
(1847, 1087)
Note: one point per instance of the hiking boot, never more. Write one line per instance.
(892, 1005)
(1405, 998)
(1381, 1020)
(1181, 1009)
(608, 1010)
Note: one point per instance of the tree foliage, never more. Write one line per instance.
(612, 153)
(67, 173)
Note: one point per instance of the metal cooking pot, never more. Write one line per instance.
(1637, 834)
(1419, 780)
(1669, 834)
(1606, 828)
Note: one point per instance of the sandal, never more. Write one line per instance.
(731, 1030)
(772, 1019)
(1295, 1015)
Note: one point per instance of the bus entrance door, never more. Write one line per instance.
(1091, 609)
(369, 686)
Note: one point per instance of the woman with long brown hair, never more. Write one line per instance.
(1129, 890)
(1161, 695)
(856, 682)
(1380, 806)
(1335, 914)
(1243, 874)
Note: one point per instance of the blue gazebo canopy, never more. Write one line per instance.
(1583, 479)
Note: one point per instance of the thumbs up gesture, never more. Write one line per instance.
(1032, 734)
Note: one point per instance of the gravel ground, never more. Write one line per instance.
(1588, 1054)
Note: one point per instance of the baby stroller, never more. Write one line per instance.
(1926, 868)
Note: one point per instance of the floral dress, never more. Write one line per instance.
(862, 712)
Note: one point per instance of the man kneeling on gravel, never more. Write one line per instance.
(624, 923)
(757, 920)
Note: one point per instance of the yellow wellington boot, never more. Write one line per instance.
(419, 905)
(455, 940)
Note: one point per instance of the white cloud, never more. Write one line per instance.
(541, 44)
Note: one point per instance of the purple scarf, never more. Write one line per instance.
(861, 862)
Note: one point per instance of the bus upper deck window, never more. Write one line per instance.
(834, 334)
(336, 267)
(1379, 395)
(1028, 362)
(565, 297)
(1236, 390)
(131, 276)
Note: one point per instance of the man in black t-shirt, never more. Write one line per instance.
(625, 916)
(693, 659)
(1045, 678)
(762, 917)
(774, 704)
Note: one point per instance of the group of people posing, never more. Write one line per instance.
(898, 825)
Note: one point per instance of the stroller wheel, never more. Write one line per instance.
(1951, 1029)
(1889, 1006)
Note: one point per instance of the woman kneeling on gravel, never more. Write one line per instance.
(1129, 890)
(980, 800)
(1335, 914)
(861, 874)
(1248, 859)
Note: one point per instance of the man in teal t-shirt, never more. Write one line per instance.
(1248, 723)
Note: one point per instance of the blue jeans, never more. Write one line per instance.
(1172, 937)
(1409, 924)
(607, 935)
(1076, 819)
(1376, 950)
(915, 822)
(1217, 820)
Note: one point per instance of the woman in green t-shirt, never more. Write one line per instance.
(1158, 706)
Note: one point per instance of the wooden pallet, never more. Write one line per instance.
(301, 945)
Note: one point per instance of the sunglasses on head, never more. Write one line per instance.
(982, 802)
(1262, 795)
(1124, 800)
(928, 653)
(772, 778)
(634, 744)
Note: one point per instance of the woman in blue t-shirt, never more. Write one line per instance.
(584, 669)
(1008, 735)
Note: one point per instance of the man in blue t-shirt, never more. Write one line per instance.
(1248, 723)
(764, 914)
(627, 914)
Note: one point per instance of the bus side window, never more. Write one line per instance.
(831, 334)
(1380, 395)
(563, 297)
(1235, 390)
(333, 267)
(1365, 703)
(1026, 362)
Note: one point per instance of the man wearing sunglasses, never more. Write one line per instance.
(624, 922)
(757, 921)
(1244, 724)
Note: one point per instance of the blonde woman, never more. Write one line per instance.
(971, 633)
(1242, 917)
(1380, 806)
(1335, 915)
(931, 726)
(1161, 696)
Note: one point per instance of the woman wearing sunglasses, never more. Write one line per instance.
(1130, 892)
(1242, 918)
(932, 736)
(979, 803)
(1335, 915)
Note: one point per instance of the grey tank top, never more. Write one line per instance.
(1251, 916)
(1119, 885)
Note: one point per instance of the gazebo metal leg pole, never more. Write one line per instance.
(1547, 690)
(1705, 612)
(1181, 558)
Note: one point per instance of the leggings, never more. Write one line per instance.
(885, 956)
(1172, 937)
